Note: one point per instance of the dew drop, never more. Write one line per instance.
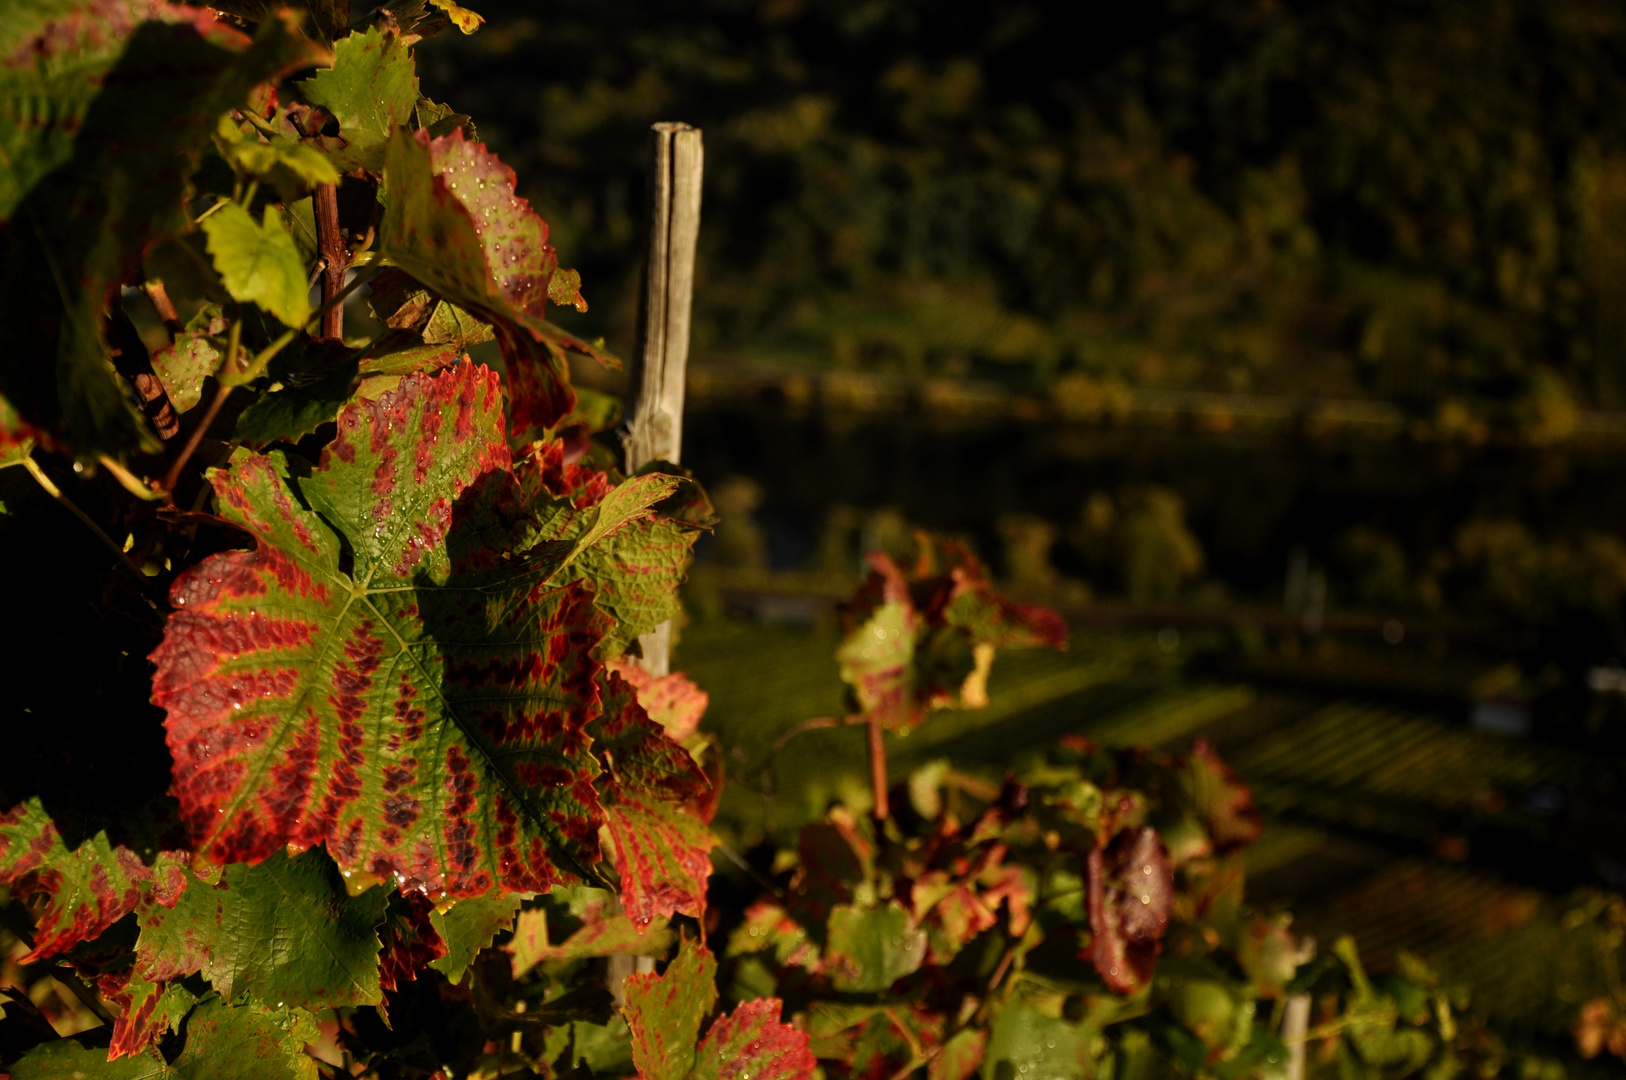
(1146, 898)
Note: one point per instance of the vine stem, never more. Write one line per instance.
(335, 254)
(877, 769)
(71, 507)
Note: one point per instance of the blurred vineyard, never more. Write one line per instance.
(1278, 345)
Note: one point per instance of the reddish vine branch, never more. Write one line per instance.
(335, 256)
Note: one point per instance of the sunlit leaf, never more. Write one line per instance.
(665, 1013)
(371, 89)
(469, 926)
(258, 262)
(418, 705)
(454, 222)
(465, 20)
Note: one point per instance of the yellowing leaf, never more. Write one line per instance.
(259, 262)
(466, 20)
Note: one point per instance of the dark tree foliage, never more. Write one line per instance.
(1422, 200)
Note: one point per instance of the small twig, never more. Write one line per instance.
(316, 272)
(68, 504)
(813, 725)
(129, 481)
(877, 769)
(163, 306)
(84, 993)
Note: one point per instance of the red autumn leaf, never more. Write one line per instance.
(1221, 801)
(146, 1010)
(1130, 891)
(672, 701)
(422, 710)
(664, 1013)
(86, 889)
(409, 940)
(659, 846)
(454, 222)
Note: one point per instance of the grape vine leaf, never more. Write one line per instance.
(423, 719)
(1131, 888)
(664, 1013)
(673, 701)
(103, 116)
(258, 262)
(145, 1010)
(87, 889)
(371, 89)
(659, 845)
(469, 926)
(589, 925)
(410, 940)
(870, 948)
(183, 365)
(291, 166)
(283, 930)
(925, 638)
(247, 1042)
(465, 20)
(454, 223)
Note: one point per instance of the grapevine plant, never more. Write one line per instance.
(353, 768)
(384, 595)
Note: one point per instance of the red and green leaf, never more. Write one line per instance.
(664, 1013)
(86, 889)
(145, 1010)
(752, 1042)
(425, 720)
(454, 223)
(660, 847)
(672, 701)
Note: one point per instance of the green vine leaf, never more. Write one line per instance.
(247, 1042)
(258, 262)
(86, 889)
(871, 948)
(103, 119)
(664, 1013)
(291, 166)
(455, 224)
(371, 89)
(588, 923)
(349, 682)
(284, 931)
(469, 926)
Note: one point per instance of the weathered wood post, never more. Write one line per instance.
(653, 429)
(654, 426)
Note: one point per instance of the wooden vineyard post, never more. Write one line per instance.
(653, 430)
(654, 426)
